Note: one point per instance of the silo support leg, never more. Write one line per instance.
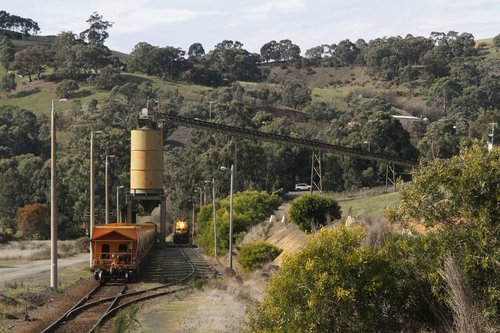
(163, 220)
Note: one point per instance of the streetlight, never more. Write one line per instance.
(118, 211)
(53, 196)
(230, 217)
(106, 204)
(92, 213)
(214, 213)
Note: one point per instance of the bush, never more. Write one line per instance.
(460, 197)
(256, 255)
(66, 249)
(107, 79)
(82, 245)
(250, 208)
(310, 211)
(33, 221)
(8, 82)
(336, 285)
(66, 88)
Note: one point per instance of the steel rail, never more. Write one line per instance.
(283, 139)
(113, 307)
(68, 313)
(207, 266)
(136, 300)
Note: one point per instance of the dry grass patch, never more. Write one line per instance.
(39, 250)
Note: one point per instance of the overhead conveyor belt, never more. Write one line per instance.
(282, 139)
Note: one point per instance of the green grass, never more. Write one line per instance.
(373, 204)
(20, 44)
(488, 50)
(39, 99)
(336, 96)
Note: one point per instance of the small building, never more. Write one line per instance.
(407, 119)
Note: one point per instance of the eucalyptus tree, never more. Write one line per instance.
(33, 60)
(97, 32)
(7, 53)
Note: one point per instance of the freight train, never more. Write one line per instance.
(119, 249)
(182, 233)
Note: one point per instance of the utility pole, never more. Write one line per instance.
(118, 211)
(53, 196)
(53, 200)
(92, 187)
(230, 215)
(214, 214)
(106, 204)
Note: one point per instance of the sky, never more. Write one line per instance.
(307, 23)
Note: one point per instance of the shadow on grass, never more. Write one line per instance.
(25, 93)
(81, 93)
(135, 79)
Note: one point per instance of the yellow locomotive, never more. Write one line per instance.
(182, 232)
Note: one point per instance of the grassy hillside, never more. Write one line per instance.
(487, 48)
(37, 95)
(358, 207)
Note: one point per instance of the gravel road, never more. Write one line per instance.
(28, 270)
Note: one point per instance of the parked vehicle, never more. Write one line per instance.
(302, 187)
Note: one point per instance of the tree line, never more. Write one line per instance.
(469, 95)
(17, 23)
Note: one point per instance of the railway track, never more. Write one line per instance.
(169, 269)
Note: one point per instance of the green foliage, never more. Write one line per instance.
(295, 95)
(496, 41)
(19, 132)
(7, 53)
(335, 285)
(310, 211)
(66, 249)
(107, 79)
(126, 320)
(66, 88)
(255, 255)
(33, 60)
(386, 135)
(97, 32)
(8, 82)
(82, 245)
(249, 208)
(461, 190)
(461, 197)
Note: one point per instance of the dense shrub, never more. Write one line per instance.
(66, 88)
(82, 245)
(257, 254)
(460, 196)
(249, 208)
(33, 221)
(107, 79)
(336, 285)
(8, 82)
(311, 211)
